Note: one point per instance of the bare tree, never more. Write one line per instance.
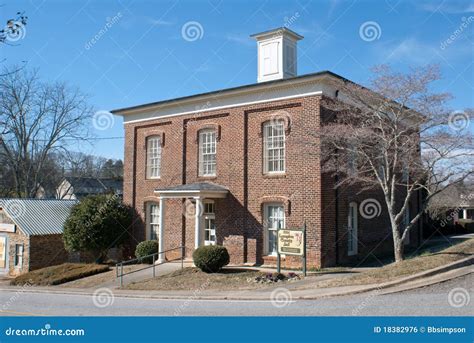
(397, 137)
(36, 120)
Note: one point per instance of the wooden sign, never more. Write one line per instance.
(291, 242)
(7, 227)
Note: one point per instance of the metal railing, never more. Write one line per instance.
(119, 266)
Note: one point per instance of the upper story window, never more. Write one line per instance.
(274, 147)
(153, 157)
(207, 152)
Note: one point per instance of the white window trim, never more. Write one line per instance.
(209, 215)
(19, 265)
(148, 220)
(266, 229)
(209, 133)
(349, 233)
(157, 157)
(266, 149)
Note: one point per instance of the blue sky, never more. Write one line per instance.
(142, 55)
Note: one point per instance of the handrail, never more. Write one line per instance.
(139, 259)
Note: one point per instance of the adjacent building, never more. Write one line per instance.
(31, 234)
(77, 188)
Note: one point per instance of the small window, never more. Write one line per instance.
(352, 160)
(19, 248)
(153, 157)
(274, 220)
(153, 220)
(352, 230)
(406, 221)
(405, 172)
(208, 208)
(274, 147)
(207, 153)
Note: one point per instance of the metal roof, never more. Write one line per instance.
(92, 185)
(38, 216)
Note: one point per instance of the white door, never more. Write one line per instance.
(352, 230)
(209, 224)
(3, 255)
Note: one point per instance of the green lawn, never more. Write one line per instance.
(404, 268)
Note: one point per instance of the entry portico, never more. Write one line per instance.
(199, 192)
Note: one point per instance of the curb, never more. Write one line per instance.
(438, 270)
(454, 265)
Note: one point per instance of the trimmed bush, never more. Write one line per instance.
(211, 258)
(96, 224)
(146, 248)
(467, 224)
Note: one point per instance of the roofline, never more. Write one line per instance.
(226, 91)
(282, 30)
(35, 199)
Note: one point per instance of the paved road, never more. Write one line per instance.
(428, 301)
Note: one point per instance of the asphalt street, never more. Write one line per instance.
(451, 298)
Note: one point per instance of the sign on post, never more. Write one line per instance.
(291, 242)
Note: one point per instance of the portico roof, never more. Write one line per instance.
(198, 189)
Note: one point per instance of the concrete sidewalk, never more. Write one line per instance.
(160, 269)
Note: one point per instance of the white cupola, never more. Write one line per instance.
(276, 54)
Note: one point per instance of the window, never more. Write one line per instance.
(209, 224)
(405, 172)
(153, 157)
(274, 147)
(406, 221)
(274, 220)
(352, 160)
(352, 227)
(207, 153)
(153, 220)
(19, 255)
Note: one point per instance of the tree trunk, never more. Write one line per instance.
(398, 248)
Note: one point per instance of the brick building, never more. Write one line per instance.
(230, 167)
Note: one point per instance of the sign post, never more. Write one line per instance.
(292, 242)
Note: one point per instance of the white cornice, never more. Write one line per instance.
(229, 99)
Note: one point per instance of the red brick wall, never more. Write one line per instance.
(47, 250)
(307, 194)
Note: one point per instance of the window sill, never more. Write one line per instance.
(153, 178)
(207, 177)
(273, 257)
(274, 175)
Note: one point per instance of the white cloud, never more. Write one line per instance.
(241, 39)
(414, 51)
(454, 7)
(158, 22)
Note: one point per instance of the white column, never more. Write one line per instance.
(161, 235)
(464, 213)
(197, 222)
